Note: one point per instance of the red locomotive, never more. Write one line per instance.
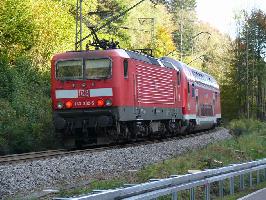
(120, 95)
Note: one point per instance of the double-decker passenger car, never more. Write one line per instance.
(200, 96)
(112, 95)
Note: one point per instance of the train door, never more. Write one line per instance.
(197, 102)
(178, 88)
(213, 104)
(193, 100)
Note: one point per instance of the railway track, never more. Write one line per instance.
(14, 158)
(29, 156)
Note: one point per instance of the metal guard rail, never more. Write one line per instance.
(175, 184)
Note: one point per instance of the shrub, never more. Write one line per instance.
(26, 118)
(244, 126)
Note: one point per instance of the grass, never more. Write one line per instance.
(248, 143)
(246, 192)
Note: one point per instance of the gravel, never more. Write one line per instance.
(28, 177)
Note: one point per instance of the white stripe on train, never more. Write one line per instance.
(200, 120)
(99, 92)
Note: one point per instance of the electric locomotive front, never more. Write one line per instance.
(85, 91)
(117, 93)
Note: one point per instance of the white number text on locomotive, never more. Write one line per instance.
(84, 103)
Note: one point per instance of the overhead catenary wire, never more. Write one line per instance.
(99, 27)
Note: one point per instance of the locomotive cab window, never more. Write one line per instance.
(97, 68)
(178, 77)
(69, 69)
(193, 90)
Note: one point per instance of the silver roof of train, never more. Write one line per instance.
(192, 73)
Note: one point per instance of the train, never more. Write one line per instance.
(115, 95)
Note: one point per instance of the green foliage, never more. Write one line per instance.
(7, 118)
(215, 56)
(163, 42)
(149, 26)
(99, 13)
(95, 184)
(246, 191)
(249, 73)
(246, 126)
(184, 17)
(185, 4)
(54, 31)
(30, 33)
(16, 29)
(26, 113)
(5, 77)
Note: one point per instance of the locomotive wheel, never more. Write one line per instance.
(125, 132)
(91, 136)
(172, 127)
(191, 127)
(132, 130)
(66, 140)
(69, 143)
(79, 139)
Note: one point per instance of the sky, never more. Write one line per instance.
(220, 13)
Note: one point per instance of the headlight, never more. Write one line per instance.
(60, 105)
(108, 102)
(69, 104)
(100, 103)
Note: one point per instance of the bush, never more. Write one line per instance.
(7, 118)
(245, 126)
(26, 117)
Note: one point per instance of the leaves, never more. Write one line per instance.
(249, 74)
(164, 42)
(54, 31)
(16, 27)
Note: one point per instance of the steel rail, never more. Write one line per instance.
(28, 156)
(14, 158)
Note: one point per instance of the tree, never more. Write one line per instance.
(250, 72)
(54, 31)
(16, 27)
(149, 25)
(184, 18)
(163, 42)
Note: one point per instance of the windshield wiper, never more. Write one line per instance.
(69, 79)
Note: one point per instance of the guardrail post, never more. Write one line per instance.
(241, 182)
(207, 191)
(221, 189)
(175, 196)
(192, 193)
(153, 180)
(258, 176)
(232, 185)
(265, 174)
(250, 179)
